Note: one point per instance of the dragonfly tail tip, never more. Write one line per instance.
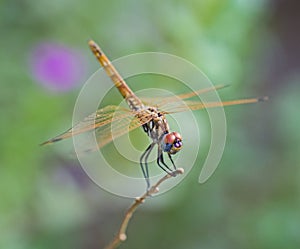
(53, 140)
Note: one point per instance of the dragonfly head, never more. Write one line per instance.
(172, 142)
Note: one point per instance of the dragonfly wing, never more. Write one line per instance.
(116, 128)
(98, 119)
(198, 105)
(161, 101)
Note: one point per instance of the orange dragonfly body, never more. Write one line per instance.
(151, 118)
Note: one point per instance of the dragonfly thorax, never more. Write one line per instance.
(157, 126)
(171, 142)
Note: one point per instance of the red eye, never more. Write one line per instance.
(170, 138)
(172, 143)
(177, 135)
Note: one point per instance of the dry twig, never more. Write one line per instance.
(121, 236)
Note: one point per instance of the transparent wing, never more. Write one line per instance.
(161, 101)
(109, 123)
(118, 127)
(96, 120)
(198, 105)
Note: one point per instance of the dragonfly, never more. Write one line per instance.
(151, 118)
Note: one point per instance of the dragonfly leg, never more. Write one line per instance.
(164, 166)
(171, 159)
(144, 165)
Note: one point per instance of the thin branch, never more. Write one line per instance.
(121, 236)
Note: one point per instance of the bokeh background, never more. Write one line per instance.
(252, 200)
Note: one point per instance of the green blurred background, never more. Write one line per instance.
(252, 200)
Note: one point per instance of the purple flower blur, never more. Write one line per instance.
(57, 67)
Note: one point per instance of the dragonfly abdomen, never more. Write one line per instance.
(132, 100)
